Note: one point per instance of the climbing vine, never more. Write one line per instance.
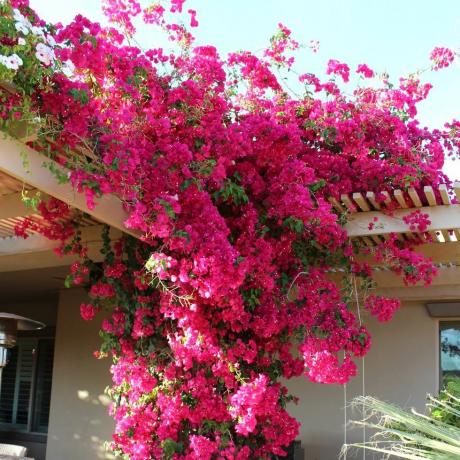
(227, 178)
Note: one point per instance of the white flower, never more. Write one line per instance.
(21, 27)
(21, 41)
(68, 69)
(51, 41)
(38, 31)
(18, 15)
(11, 62)
(44, 54)
(22, 23)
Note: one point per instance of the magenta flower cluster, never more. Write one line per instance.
(228, 178)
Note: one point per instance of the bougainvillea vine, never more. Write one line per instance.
(227, 178)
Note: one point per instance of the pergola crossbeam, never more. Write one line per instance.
(442, 217)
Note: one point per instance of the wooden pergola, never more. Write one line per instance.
(441, 240)
(21, 168)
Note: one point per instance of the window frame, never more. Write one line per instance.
(15, 432)
(443, 324)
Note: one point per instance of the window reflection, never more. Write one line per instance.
(450, 352)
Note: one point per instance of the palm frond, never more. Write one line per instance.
(408, 435)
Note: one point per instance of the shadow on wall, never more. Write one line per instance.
(99, 445)
(85, 437)
(79, 421)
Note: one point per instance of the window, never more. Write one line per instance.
(449, 349)
(26, 386)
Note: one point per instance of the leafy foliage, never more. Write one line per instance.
(228, 178)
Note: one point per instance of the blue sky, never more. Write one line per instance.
(394, 36)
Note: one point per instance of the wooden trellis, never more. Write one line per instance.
(372, 221)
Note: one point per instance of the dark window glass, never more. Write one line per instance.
(449, 351)
(43, 385)
(25, 390)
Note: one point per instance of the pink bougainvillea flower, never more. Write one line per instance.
(365, 71)
(335, 67)
(441, 57)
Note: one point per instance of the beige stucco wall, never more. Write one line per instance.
(79, 423)
(402, 367)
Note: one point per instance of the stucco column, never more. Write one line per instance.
(79, 424)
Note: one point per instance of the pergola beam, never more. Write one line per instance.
(443, 217)
(389, 284)
(27, 165)
(421, 293)
(37, 251)
(439, 253)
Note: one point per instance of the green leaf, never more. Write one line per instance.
(186, 184)
(57, 172)
(198, 142)
(31, 201)
(68, 281)
(238, 260)
(189, 399)
(182, 234)
(115, 164)
(171, 447)
(204, 168)
(79, 95)
(168, 208)
(231, 192)
(296, 225)
(317, 185)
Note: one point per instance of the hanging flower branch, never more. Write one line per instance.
(228, 178)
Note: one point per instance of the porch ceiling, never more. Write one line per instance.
(9, 185)
(13, 210)
(36, 251)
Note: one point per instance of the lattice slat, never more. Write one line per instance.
(387, 199)
(336, 205)
(361, 202)
(400, 199)
(371, 197)
(444, 194)
(457, 190)
(415, 198)
(346, 200)
(430, 196)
